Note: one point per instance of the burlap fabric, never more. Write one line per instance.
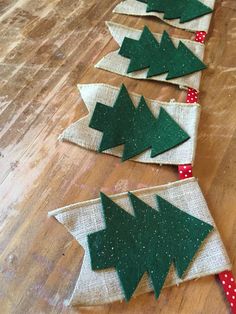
(98, 287)
(133, 7)
(186, 115)
(114, 62)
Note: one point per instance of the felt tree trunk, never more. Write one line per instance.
(185, 10)
(159, 58)
(136, 128)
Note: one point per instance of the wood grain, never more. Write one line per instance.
(46, 48)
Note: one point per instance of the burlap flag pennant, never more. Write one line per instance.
(186, 115)
(139, 8)
(86, 218)
(116, 63)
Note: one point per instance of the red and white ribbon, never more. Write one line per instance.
(185, 171)
(229, 286)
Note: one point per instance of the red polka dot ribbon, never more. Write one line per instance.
(192, 96)
(185, 171)
(229, 286)
(200, 37)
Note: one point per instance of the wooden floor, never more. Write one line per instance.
(46, 48)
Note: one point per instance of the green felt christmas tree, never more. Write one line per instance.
(185, 10)
(136, 128)
(150, 241)
(161, 57)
